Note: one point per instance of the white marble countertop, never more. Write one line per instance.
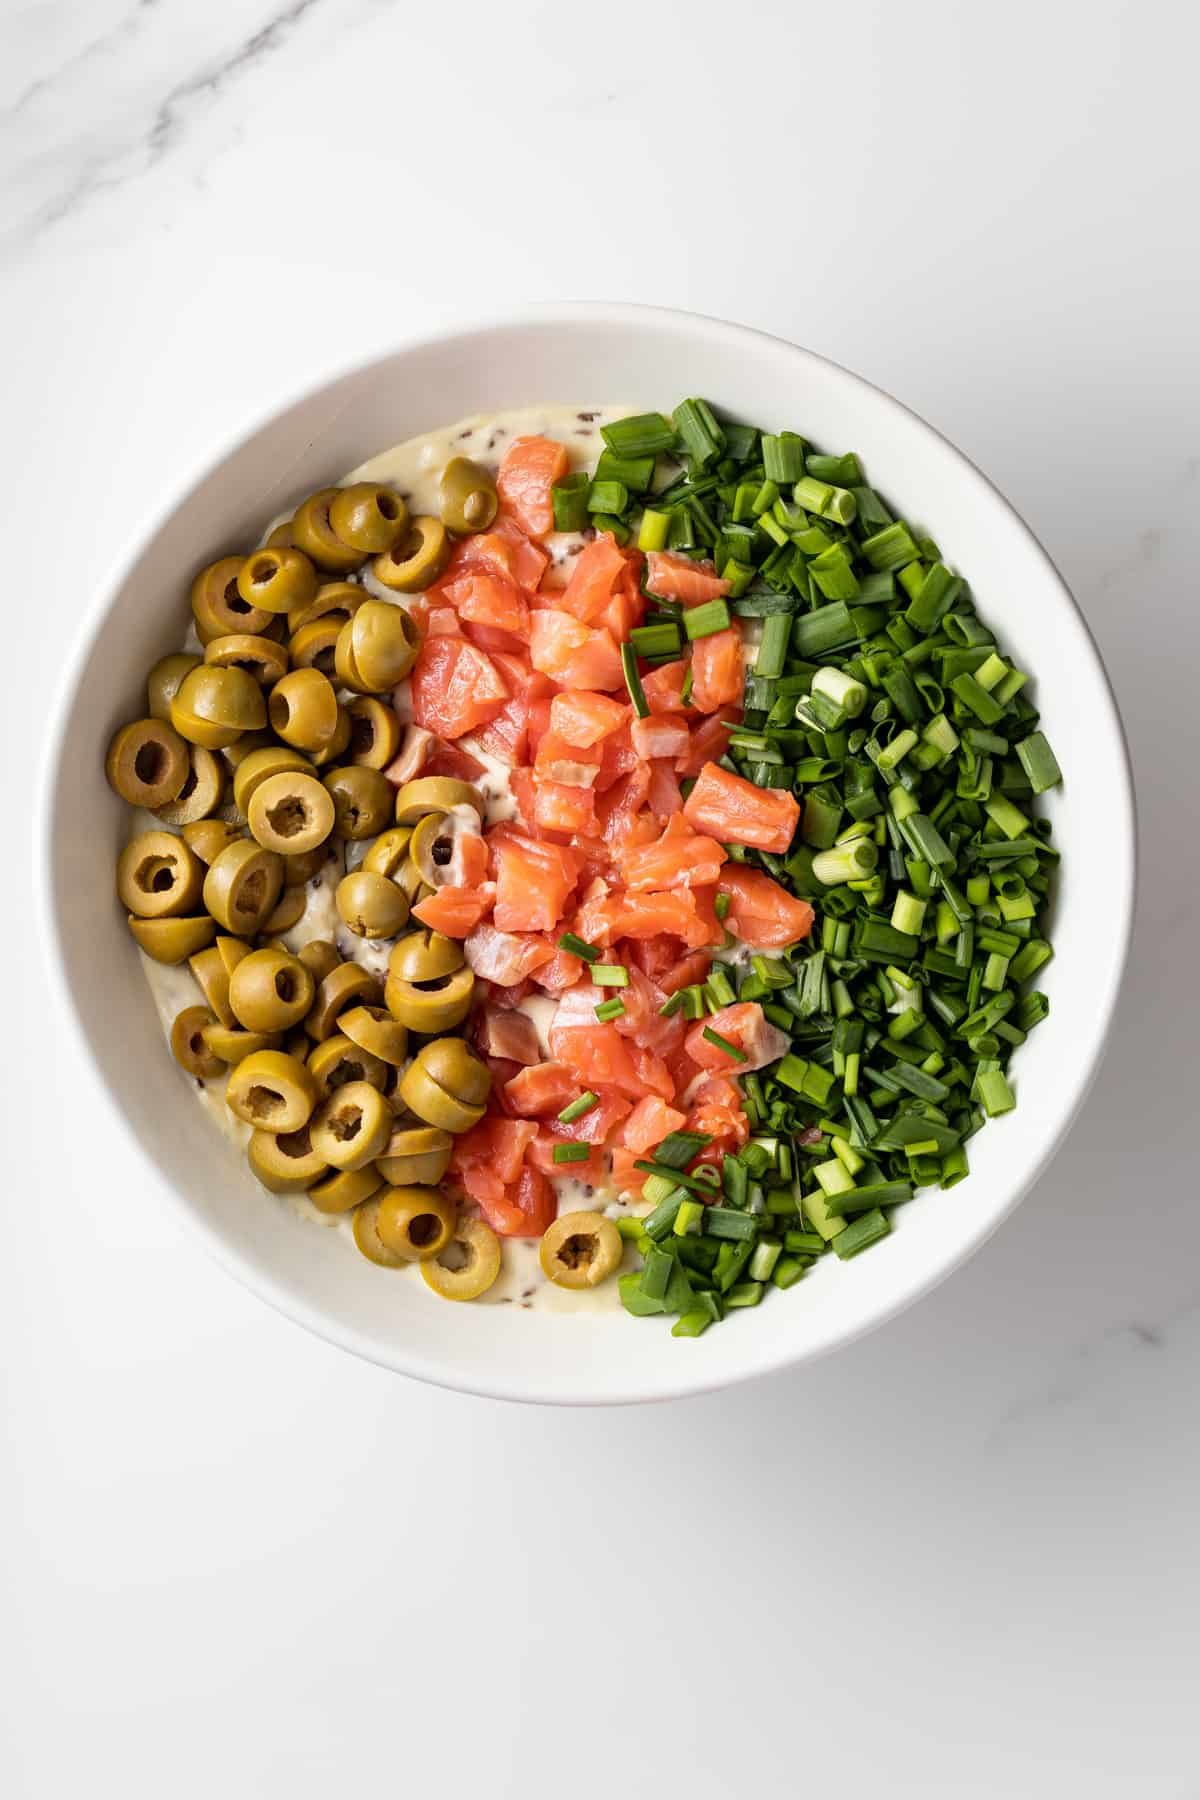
(957, 1559)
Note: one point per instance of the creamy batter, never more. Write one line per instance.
(414, 469)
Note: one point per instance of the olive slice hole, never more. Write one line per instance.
(233, 599)
(346, 1124)
(156, 875)
(362, 737)
(295, 1143)
(264, 1102)
(262, 571)
(345, 1072)
(424, 1229)
(387, 506)
(457, 1256)
(577, 1251)
(149, 765)
(285, 986)
(288, 818)
(251, 895)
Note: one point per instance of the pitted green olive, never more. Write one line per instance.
(233, 1045)
(362, 800)
(320, 958)
(408, 877)
(212, 978)
(303, 709)
(200, 795)
(162, 683)
(467, 497)
(314, 646)
(277, 579)
(434, 794)
(374, 733)
(272, 1092)
(346, 985)
(231, 950)
(262, 658)
(235, 754)
(376, 648)
(291, 812)
(344, 1189)
(351, 1127)
(417, 557)
(468, 1265)
(446, 1085)
(158, 876)
(274, 759)
(366, 1236)
(172, 940)
(270, 990)
(580, 1249)
(188, 1046)
(430, 1006)
(147, 763)
(280, 536)
(336, 747)
(373, 1029)
(370, 905)
(242, 886)
(285, 1161)
(415, 1222)
(289, 910)
(208, 837)
(434, 848)
(338, 1061)
(217, 605)
(334, 600)
(425, 955)
(313, 532)
(214, 706)
(388, 851)
(367, 517)
(415, 1156)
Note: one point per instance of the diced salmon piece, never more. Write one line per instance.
(659, 736)
(542, 1090)
(455, 687)
(710, 740)
(626, 1178)
(541, 1157)
(448, 759)
(618, 756)
(670, 576)
(666, 965)
(664, 797)
(503, 1032)
(734, 811)
(530, 468)
(485, 599)
(716, 1111)
(572, 654)
(681, 857)
(505, 550)
(507, 734)
(663, 687)
(561, 972)
(627, 915)
(585, 719)
(597, 570)
(505, 957)
(598, 1124)
(526, 1209)
(559, 760)
(649, 1123)
(761, 912)
(618, 808)
(490, 1157)
(456, 911)
(559, 807)
(533, 880)
(718, 676)
(744, 1025)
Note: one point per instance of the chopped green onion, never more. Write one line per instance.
(643, 434)
(702, 621)
(607, 497)
(721, 1043)
(584, 1104)
(575, 946)
(568, 498)
(610, 975)
(633, 681)
(609, 1009)
(656, 640)
(570, 1153)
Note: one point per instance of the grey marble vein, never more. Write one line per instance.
(124, 32)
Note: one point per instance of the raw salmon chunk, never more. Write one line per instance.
(733, 810)
(530, 468)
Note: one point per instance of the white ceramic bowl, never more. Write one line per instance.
(647, 358)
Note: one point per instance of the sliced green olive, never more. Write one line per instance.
(415, 1156)
(370, 905)
(408, 877)
(314, 646)
(242, 886)
(335, 600)
(313, 532)
(446, 1085)
(434, 848)
(430, 1006)
(320, 958)
(416, 559)
(377, 647)
(270, 990)
(162, 683)
(289, 910)
(231, 950)
(233, 1045)
(188, 1046)
(346, 985)
(214, 706)
(351, 1127)
(303, 709)
(344, 1189)
(362, 801)
(272, 1091)
(580, 1249)
(468, 1265)
(415, 1222)
(338, 1061)
(279, 536)
(261, 658)
(434, 794)
(374, 733)
(200, 795)
(367, 517)
(277, 579)
(285, 1161)
(235, 754)
(374, 1030)
(388, 851)
(467, 497)
(212, 978)
(291, 812)
(300, 869)
(147, 763)
(208, 837)
(336, 747)
(217, 604)
(274, 759)
(172, 940)
(425, 956)
(366, 1236)
(158, 876)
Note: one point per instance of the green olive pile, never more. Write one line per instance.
(256, 763)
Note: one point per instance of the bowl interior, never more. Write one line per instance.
(646, 359)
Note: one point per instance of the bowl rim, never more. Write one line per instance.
(1121, 896)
